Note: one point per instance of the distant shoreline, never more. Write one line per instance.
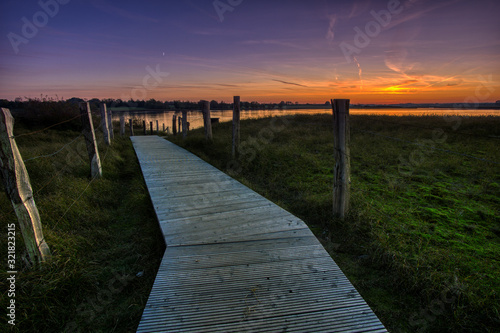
(488, 106)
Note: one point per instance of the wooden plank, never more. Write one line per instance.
(236, 262)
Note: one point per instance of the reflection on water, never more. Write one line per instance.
(195, 118)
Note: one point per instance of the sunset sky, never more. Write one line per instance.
(268, 51)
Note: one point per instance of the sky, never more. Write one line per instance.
(368, 51)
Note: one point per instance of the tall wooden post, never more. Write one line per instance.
(144, 126)
(105, 125)
(122, 125)
(157, 127)
(179, 123)
(110, 124)
(206, 120)
(18, 187)
(151, 127)
(88, 133)
(184, 124)
(342, 171)
(174, 124)
(131, 124)
(236, 125)
(163, 127)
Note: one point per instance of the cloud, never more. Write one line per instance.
(330, 34)
(291, 83)
(405, 17)
(359, 7)
(111, 9)
(275, 42)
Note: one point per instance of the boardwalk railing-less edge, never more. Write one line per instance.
(236, 262)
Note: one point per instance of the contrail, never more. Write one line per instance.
(360, 72)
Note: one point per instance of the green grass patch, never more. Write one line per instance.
(103, 234)
(421, 242)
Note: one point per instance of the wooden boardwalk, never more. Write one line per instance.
(236, 262)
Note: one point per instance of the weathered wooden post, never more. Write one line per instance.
(151, 127)
(110, 124)
(144, 126)
(236, 125)
(206, 120)
(104, 124)
(157, 127)
(174, 124)
(18, 188)
(131, 124)
(342, 171)
(179, 123)
(184, 124)
(122, 125)
(88, 133)
(163, 127)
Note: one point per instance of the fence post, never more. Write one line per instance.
(105, 125)
(88, 133)
(236, 125)
(144, 126)
(174, 124)
(122, 125)
(110, 124)
(184, 124)
(18, 187)
(131, 124)
(206, 120)
(342, 171)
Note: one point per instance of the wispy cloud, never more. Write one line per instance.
(330, 34)
(291, 83)
(275, 42)
(409, 16)
(360, 72)
(111, 9)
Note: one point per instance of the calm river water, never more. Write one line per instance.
(195, 118)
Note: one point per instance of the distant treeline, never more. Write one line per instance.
(177, 105)
(152, 104)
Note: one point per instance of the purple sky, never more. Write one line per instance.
(306, 51)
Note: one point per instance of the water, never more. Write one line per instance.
(195, 118)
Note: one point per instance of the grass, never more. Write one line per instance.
(103, 234)
(421, 242)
